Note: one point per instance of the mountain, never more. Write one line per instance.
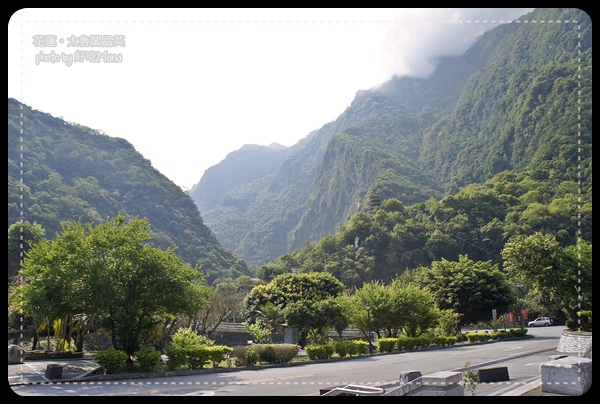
(71, 172)
(508, 103)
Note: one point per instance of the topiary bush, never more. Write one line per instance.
(111, 359)
(387, 344)
(188, 350)
(251, 356)
(218, 354)
(147, 357)
(342, 347)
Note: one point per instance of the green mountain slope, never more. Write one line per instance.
(516, 100)
(71, 173)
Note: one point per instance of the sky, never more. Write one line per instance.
(188, 86)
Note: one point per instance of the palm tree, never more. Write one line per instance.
(272, 317)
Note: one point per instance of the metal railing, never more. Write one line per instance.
(355, 390)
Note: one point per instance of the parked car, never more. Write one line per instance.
(540, 321)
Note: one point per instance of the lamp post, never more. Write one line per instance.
(368, 307)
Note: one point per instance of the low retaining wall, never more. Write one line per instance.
(569, 376)
(579, 342)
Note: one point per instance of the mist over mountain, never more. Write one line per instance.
(508, 103)
(513, 111)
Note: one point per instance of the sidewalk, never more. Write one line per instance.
(76, 370)
(34, 371)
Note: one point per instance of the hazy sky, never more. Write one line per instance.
(188, 86)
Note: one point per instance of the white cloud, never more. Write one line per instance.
(196, 84)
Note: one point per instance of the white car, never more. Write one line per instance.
(540, 321)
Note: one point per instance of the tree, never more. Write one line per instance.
(272, 318)
(470, 288)
(315, 317)
(414, 308)
(109, 273)
(290, 288)
(224, 302)
(565, 272)
(21, 237)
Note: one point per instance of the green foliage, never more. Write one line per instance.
(480, 336)
(362, 347)
(582, 323)
(540, 261)
(406, 343)
(354, 347)
(21, 237)
(147, 357)
(509, 106)
(482, 186)
(197, 356)
(319, 351)
(518, 332)
(470, 378)
(251, 356)
(342, 347)
(499, 335)
(73, 173)
(190, 350)
(276, 353)
(109, 273)
(467, 287)
(258, 331)
(111, 359)
(387, 344)
(440, 340)
(186, 337)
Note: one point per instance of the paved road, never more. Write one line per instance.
(30, 378)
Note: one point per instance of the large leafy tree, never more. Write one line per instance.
(538, 260)
(289, 288)
(110, 273)
(21, 237)
(400, 307)
(470, 288)
(316, 317)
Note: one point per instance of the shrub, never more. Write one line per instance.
(315, 351)
(251, 356)
(329, 350)
(218, 353)
(266, 353)
(239, 355)
(501, 334)
(198, 356)
(407, 343)
(147, 357)
(423, 341)
(320, 351)
(451, 339)
(342, 347)
(517, 332)
(188, 350)
(477, 336)
(285, 352)
(584, 323)
(440, 340)
(362, 348)
(111, 359)
(387, 344)
(177, 357)
(352, 348)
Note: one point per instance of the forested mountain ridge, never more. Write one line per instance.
(516, 100)
(73, 173)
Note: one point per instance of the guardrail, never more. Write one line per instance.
(355, 390)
